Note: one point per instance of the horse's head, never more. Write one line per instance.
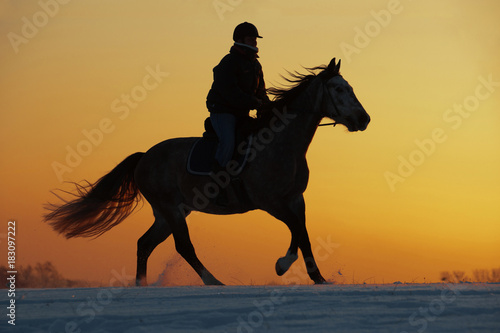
(340, 103)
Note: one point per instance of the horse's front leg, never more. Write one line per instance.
(284, 263)
(312, 267)
(293, 215)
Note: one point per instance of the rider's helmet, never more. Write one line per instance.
(245, 29)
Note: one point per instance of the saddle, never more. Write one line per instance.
(202, 155)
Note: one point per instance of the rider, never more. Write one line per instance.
(238, 87)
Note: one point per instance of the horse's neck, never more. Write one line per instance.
(299, 132)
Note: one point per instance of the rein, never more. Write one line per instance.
(335, 106)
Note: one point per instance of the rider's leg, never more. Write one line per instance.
(224, 125)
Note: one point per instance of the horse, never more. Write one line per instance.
(274, 180)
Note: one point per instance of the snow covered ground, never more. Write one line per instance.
(305, 308)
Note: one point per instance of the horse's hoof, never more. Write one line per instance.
(213, 282)
(140, 283)
(284, 263)
(280, 271)
(217, 283)
(321, 282)
(209, 280)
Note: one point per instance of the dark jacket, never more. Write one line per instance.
(238, 83)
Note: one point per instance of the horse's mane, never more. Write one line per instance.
(298, 82)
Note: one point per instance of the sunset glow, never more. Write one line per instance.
(84, 84)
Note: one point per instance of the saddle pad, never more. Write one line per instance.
(202, 155)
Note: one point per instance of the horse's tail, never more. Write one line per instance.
(100, 206)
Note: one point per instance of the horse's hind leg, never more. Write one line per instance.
(159, 231)
(184, 246)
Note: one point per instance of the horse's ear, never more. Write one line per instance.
(331, 65)
(332, 69)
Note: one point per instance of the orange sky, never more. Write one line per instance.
(420, 68)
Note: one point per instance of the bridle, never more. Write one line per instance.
(333, 103)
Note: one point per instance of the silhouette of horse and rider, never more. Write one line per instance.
(273, 179)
